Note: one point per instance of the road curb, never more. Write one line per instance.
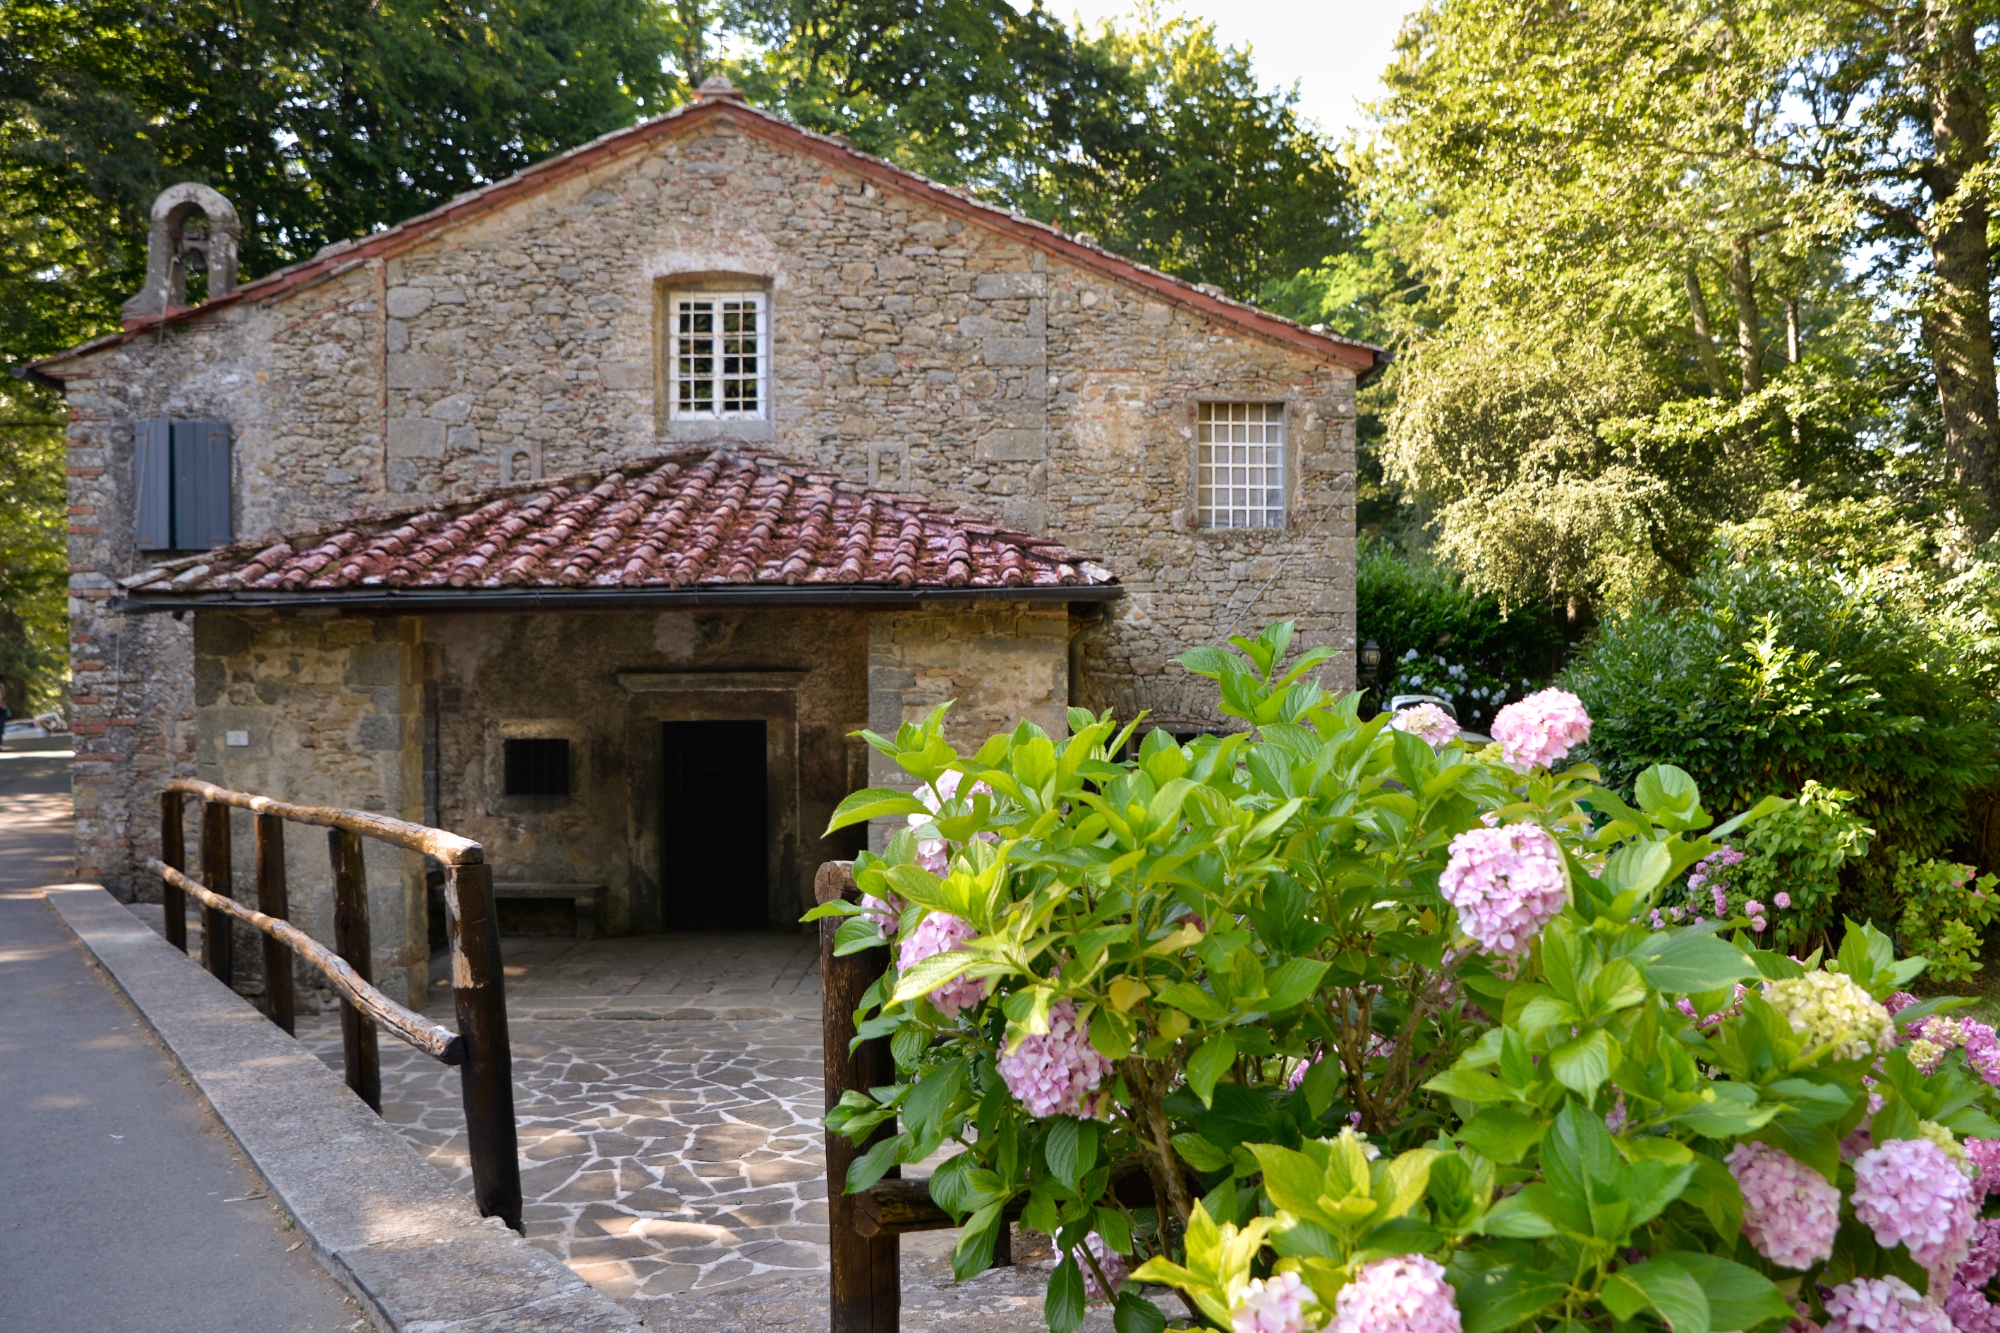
(405, 1240)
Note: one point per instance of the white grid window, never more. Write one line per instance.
(1240, 465)
(719, 354)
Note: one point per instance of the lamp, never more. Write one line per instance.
(1371, 658)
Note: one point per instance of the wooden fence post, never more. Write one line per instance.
(271, 902)
(487, 1076)
(866, 1281)
(173, 850)
(350, 940)
(218, 935)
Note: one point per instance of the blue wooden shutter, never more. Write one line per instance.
(153, 484)
(201, 500)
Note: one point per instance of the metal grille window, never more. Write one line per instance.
(719, 355)
(1240, 465)
(537, 767)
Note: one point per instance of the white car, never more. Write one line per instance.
(41, 724)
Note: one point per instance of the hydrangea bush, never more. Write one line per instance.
(1316, 1026)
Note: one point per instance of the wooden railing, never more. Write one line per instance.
(479, 1048)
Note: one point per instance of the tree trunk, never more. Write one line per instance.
(1957, 322)
(1704, 335)
(694, 48)
(1792, 359)
(1743, 289)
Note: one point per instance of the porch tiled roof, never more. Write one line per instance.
(697, 518)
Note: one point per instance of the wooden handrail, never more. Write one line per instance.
(480, 1048)
(448, 848)
(432, 1039)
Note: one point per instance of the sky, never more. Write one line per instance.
(1334, 49)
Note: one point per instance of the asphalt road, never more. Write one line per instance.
(124, 1205)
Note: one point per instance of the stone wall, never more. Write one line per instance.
(326, 710)
(912, 347)
(997, 664)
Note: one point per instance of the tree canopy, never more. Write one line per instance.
(1653, 263)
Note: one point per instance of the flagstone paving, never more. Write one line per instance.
(668, 1094)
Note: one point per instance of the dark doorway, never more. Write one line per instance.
(715, 836)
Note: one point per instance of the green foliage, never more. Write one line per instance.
(1439, 637)
(1772, 674)
(34, 562)
(1305, 1053)
(1629, 288)
(1800, 851)
(1151, 136)
(320, 122)
(1945, 916)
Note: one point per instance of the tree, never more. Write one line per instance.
(1632, 316)
(34, 563)
(319, 121)
(1154, 138)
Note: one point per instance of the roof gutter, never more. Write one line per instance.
(26, 371)
(1383, 359)
(422, 602)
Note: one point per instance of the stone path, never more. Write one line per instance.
(668, 1092)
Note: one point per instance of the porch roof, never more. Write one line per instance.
(710, 525)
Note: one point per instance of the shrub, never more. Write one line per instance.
(1385, 1035)
(1771, 674)
(1945, 915)
(1782, 874)
(1438, 638)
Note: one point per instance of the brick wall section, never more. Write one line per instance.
(911, 347)
(333, 711)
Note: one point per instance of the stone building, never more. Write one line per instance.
(711, 421)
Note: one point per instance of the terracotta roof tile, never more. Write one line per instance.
(696, 518)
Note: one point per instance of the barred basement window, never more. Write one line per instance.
(719, 355)
(536, 767)
(1240, 465)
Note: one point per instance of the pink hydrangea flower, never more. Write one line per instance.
(888, 913)
(941, 932)
(1982, 1050)
(1113, 1263)
(1898, 1002)
(1912, 1194)
(1782, 899)
(1985, 1154)
(1278, 1304)
(1542, 728)
(1407, 1294)
(1507, 883)
(1790, 1212)
(1428, 723)
(1882, 1305)
(1056, 1072)
(1969, 1310)
(932, 853)
(1982, 1259)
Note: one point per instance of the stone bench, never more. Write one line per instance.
(589, 900)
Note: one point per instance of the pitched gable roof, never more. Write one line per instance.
(708, 522)
(339, 258)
